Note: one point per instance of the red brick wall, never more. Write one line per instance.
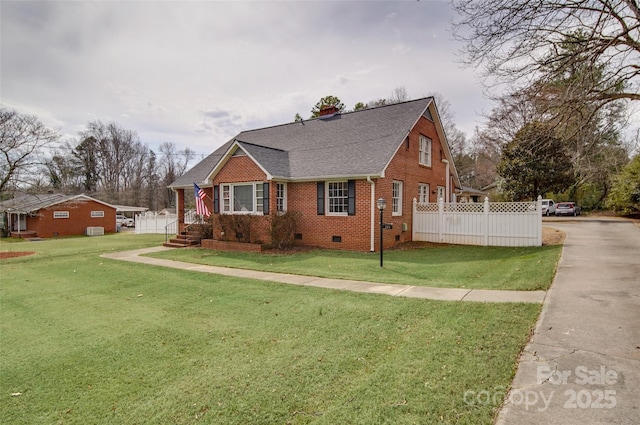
(354, 231)
(242, 169)
(318, 230)
(79, 219)
(405, 167)
(239, 169)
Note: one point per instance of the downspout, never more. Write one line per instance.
(373, 213)
(446, 195)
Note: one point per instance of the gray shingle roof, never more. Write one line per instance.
(351, 144)
(29, 203)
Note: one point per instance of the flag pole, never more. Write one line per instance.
(205, 193)
(201, 200)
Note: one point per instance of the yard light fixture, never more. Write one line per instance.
(381, 204)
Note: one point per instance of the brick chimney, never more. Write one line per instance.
(328, 110)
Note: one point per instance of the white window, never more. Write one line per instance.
(338, 198)
(281, 197)
(441, 190)
(243, 198)
(61, 214)
(423, 193)
(259, 198)
(396, 198)
(97, 214)
(425, 151)
(226, 198)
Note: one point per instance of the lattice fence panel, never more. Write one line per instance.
(464, 208)
(496, 223)
(433, 207)
(512, 207)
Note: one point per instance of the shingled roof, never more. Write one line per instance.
(354, 144)
(25, 204)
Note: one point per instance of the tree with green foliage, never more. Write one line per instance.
(327, 101)
(591, 130)
(625, 192)
(360, 106)
(534, 163)
(85, 158)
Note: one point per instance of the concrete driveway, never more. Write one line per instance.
(582, 365)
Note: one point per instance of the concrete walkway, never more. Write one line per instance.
(582, 365)
(444, 294)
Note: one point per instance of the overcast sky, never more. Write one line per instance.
(197, 73)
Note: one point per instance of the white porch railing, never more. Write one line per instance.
(487, 223)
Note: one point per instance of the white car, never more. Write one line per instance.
(124, 221)
(548, 207)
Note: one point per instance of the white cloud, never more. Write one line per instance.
(197, 73)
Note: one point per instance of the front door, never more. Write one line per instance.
(18, 222)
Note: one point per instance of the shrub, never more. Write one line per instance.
(242, 226)
(202, 229)
(625, 192)
(235, 227)
(283, 229)
(225, 225)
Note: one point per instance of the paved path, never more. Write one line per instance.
(582, 365)
(445, 294)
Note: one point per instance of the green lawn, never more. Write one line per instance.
(449, 266)
(84, 339)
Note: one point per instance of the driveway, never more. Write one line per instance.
(582, 365)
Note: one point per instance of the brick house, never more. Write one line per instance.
(56, 215)
(331, 170)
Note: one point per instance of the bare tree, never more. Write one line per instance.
(173, 163)
(520, 41)
(513, 112)
(64, 173)
(457, 138)
(120, 158)
(23, 139)
(399, 94)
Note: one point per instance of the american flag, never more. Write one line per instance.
(201, 208)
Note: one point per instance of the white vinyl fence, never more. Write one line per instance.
(151, 222)
(487, 223)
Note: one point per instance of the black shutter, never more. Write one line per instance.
(351, 191)
(320, 198)
(265, 198)
(216, 199)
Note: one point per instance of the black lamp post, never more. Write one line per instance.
(381, 204)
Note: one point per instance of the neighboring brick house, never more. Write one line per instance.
(56, 215)
(331, 170)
